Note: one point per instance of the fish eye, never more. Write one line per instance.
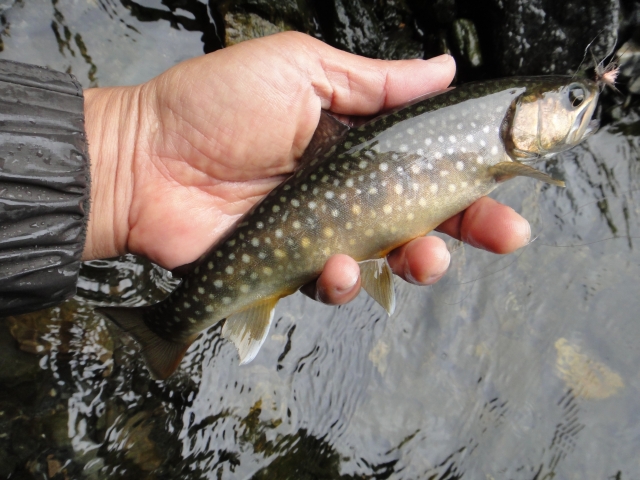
(576, 95)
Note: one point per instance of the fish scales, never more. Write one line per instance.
(394, 179)
(380, 185)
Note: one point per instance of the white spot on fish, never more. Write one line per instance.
(349, 183)
(255, 242)
(372, 191)
(427, 141)
(295, 203)
(312, 205)
(450, 151)
(186, 305)
(460, 166)
(415, 168)
(479, 159)
(278, 233)
(362, 164)
(384, 167)
(452, 187)
(433, 188)
(410, 216)
(296, 224)
(387, 209)
(452, 138)
(229, 269)
(470, 138)
(304, 187)
(403, 148)
(335, 213)
(210, 265)
(259, 225)
(444, 173)
(463, 184)
(483, 143)
(356, 209)
(494, 150)
(486, 129)
(398, 189)
(429, 166)
(218, 283)
(437, 155)
(201, 290)
(410, 131)
(422, 202)
(226, 300)
(244, 288)
(441, 139)
(246, 258)
(329, 195)
(232, 256)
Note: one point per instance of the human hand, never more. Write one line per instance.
(177, 160)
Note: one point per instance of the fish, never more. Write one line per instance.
(363, 191)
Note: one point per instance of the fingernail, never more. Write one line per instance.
(527, 235)
(445, 58)
(352, 280)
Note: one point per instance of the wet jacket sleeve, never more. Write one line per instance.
(44, 186)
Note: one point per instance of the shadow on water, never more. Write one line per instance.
(522, 367)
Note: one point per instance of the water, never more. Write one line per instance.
(519, 367)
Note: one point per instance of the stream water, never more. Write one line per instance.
(516, 367)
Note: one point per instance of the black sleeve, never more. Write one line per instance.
(44, 186)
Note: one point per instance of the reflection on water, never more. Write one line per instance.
(521, 367)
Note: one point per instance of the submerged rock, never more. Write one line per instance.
(245, 26)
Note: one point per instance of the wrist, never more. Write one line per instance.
(111, 124)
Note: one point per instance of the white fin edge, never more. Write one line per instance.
(248, 329)
(377, 280)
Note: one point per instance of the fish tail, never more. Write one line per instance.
(161, 356)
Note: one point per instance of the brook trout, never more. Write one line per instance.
(363, 192)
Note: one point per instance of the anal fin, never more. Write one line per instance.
(505, 170)
(161, 356)
(248, 328)
(377, 280)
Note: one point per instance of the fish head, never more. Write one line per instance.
(552, 115)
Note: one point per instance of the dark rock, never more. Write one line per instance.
(467, 41)
(373, 29)
(550, 37)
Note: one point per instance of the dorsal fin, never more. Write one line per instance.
(328, 132)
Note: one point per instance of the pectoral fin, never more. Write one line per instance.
(248, 328)
(161, 356)
(506, 170)
(377, 280)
